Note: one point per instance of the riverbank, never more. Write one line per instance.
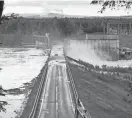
(104, 96)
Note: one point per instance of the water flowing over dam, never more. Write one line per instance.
(93, 50)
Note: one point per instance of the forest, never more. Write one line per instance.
(58, 26)
(63, 26)
(20, 30)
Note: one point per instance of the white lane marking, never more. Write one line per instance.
(46, 84)
(60, 93)
(46, 89)
(56, 82)
(69, 97)
(63, 83)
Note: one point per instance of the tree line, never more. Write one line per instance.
(63, 26)
(59, 26)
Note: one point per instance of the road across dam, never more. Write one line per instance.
(56, 97)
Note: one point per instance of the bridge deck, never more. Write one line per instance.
(56, 98)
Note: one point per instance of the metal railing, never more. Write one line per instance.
(79, 108)
(34, 108)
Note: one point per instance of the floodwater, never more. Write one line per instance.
(18, 66)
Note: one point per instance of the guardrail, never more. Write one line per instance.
(79, 108)
(33, 111)
(71, 80)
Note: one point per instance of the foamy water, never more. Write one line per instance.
(102, 53)
(19, 66)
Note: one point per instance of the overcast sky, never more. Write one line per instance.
(70, 7)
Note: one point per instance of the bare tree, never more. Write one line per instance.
(6, 17)
(112, 4)
(2, 103)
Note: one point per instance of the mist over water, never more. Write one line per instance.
(93, 51)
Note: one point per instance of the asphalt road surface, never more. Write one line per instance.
(56, 98)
